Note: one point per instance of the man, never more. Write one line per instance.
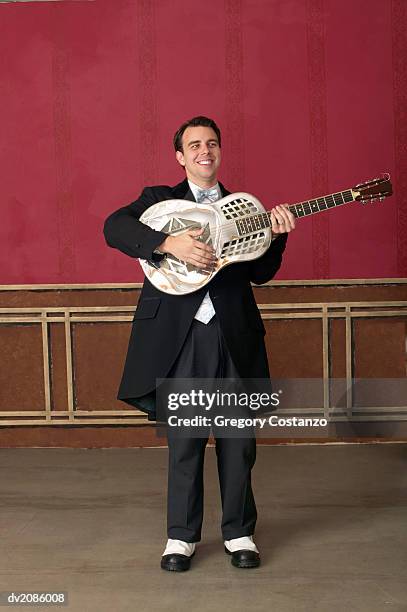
(214, 332)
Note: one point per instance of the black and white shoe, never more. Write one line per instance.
(243, 551)
(177, 556)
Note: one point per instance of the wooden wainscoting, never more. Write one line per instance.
(63, 350)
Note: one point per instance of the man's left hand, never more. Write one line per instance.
(282, 220)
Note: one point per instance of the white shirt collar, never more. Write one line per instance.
(195, 189)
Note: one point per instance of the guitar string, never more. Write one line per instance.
(291, 207)
(251, 231)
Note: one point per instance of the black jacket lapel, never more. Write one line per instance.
(224, 191)
(182, 191)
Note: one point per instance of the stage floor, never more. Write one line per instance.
(332, 531)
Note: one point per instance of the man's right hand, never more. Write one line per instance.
(187, 247)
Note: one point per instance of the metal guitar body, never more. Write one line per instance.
(218, 219)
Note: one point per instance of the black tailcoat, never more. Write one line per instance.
(162, 321)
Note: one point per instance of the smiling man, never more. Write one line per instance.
(199, 152)
(214, 332)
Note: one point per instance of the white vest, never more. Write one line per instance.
(206, 310)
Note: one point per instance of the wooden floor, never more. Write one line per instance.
(332, 531)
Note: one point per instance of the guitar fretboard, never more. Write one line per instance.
(252, 223)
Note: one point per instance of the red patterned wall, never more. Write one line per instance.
(311, 96)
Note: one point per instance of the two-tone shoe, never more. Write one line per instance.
(177, 556)
(243, 551)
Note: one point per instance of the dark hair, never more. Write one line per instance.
(194, 122)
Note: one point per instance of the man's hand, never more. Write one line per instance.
(282, 220)
(188, 248)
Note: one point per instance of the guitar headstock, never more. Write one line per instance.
(376, 189)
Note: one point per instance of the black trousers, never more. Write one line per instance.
(205, 355)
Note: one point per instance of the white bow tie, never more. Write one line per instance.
(210, 194)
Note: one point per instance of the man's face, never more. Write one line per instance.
(201, 155)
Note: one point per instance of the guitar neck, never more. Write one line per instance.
(252, 223)
(311, 207)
